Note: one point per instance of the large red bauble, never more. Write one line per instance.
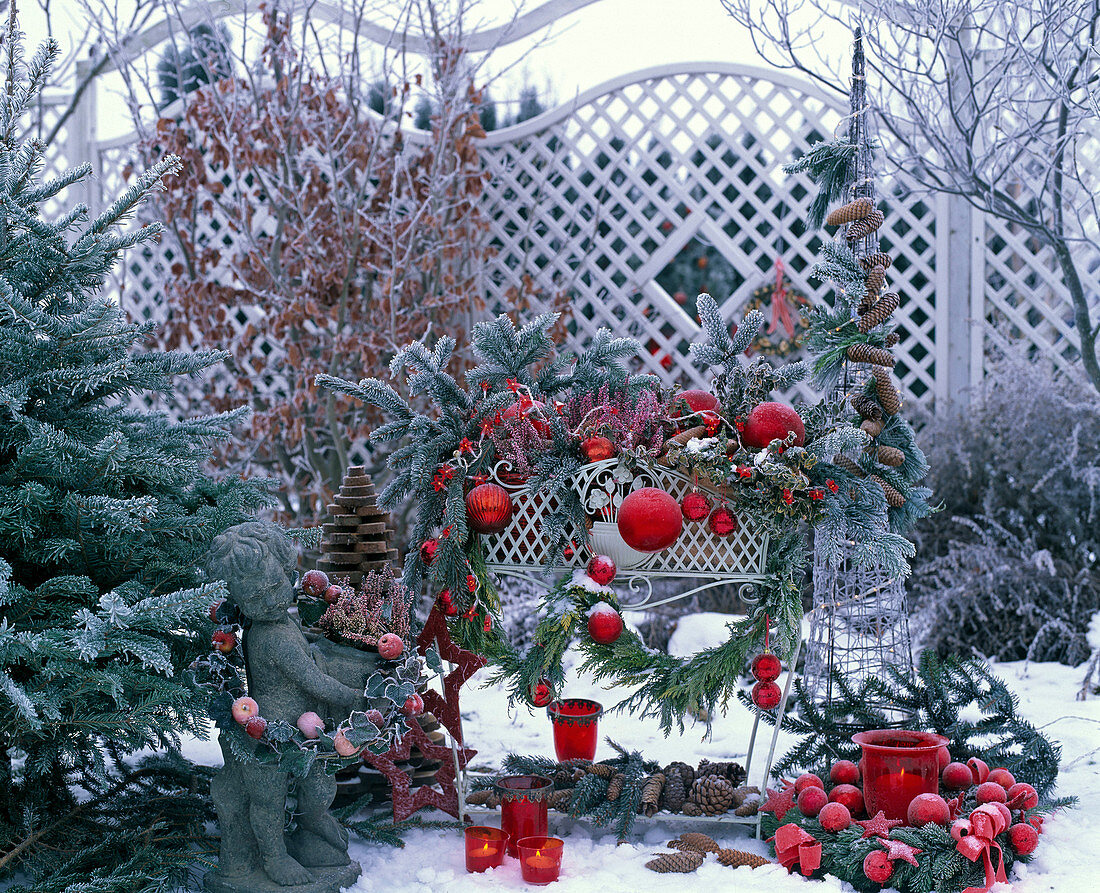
(811, 800)
(532, 411)
(1024, 838)
(723, 522)
(695, 506)
(601, 569)
(650, 520)
(596, 449)
(488, 508)
(878, 867)
(844, 772)
(772, 421)
(928, 809)
(849, 795)
(605, 624)
(766, 695)
(957, 776)
(766, 667)
(697, 401)
(834, 817)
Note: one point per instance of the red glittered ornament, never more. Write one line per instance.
(723, 522)
(605, 624)
(650, 520)
(601, 569)
(695, 506)
(488, 508)
(543, 693)
(596, 449)
(772, 421)
(766, 667)
(766, 695)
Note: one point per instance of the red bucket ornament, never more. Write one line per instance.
(575, 722)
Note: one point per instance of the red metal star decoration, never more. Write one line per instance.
(895, 849)
(878, 826)
(406, 801)
(779, 802)
(445, 707)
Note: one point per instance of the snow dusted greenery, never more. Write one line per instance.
(1011, 568)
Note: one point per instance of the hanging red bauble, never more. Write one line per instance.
(766, 667)
(650, 520)
(605, 624)
(596, 449)
(695, 506)
(766, 695)
(533, 411)
(543, 693)
(723, 522)
(488, 508)
(772, 421)
(601, 569)
(428, 549)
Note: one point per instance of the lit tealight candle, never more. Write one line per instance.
(540, 859)
(484, 848)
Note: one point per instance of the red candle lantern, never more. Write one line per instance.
(484, 847)
(523, 807)
(898, 766)
(575, 728)
(540, 859)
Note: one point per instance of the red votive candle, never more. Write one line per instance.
(523, 807)
(575, 728)
(898, 765)
(484, 847)
(540, 859)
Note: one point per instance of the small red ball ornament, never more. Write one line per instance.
(532, 410)
(1002, 777)
(849, 795)
(390, 647)
(1024, 838)
(834, 817)
(844, 772)
(943, 757)
(928, 809)
(427, 551)
(650, 520)
(723, 522)
(1023, 796)
(256, 726)
(601, 569)
(772, 421)
(596, 449)
(766, 695)
(811, 801)
(808, 780)
(878, 867)
(543, 694)
(766, 667)
(413, 706)
(991, 792)
(605, 624)
(695, 506)
(488, 508)
(957, 776)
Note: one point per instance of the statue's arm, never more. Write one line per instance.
(299, 666)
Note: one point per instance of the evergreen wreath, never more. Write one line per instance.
(790, 316)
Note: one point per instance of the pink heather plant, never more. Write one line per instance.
(629, 422)
(361, 618)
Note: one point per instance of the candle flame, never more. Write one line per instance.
(538, 853)
(486, 846)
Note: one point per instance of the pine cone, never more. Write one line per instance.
(479, 798)
(887, 394)
(865, 353)
(692, 809)
(600, 770)
(560, 800)
(563, 778)
(749, 808)
(892, 339)
(674, 793)
(712, 794)
(873, 427)
(682, 862)
(737, 858)
(851, 212)
(893, 497)
(878, 259)
(864, 226)
(686, 773)
(889, 456)
(867, 408)
(876, 278)
(696, 840)
(880, 312)
(615, 786)
(651, 794)
(849, 466)
(744, 792)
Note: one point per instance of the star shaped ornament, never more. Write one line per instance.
(896, 849)
(879, 826)
(445, 707)
(405, 800)
(779, 802)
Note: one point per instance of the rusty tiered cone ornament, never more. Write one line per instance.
(355, 537)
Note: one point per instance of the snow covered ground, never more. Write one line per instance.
(1067, 860)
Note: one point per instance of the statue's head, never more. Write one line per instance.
(259, 563)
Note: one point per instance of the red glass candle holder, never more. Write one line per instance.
(540, 859)
(575, 722)
(897, 766)
(523, 807)
(484, 847)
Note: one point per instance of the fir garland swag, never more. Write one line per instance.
(542, 416)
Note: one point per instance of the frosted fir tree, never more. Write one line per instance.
(105, 511)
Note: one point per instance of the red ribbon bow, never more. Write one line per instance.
(794, 846)
(975, 838)
(781, 309)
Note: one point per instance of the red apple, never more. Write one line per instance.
(256, 726)
(244, 709)
(413, 706)
(310, 724)
(315, 583)
(224, 641)
(390, 647)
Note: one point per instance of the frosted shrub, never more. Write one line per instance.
(1011, 567)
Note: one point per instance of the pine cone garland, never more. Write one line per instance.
(873, 427)
(865, 353)
(737, 858)
(864, 226)
(878, 259)
(866, 407)
(683, 862)
(651, 794)
(712, 794)
(887, 394)
(615, 786)
(674, 793)
(880, 311)
(851, 212)
(696, 840)
(893, 497)
(889, 456)
(876, 278)
(849, 466)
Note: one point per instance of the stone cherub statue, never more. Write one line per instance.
(258, 562)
